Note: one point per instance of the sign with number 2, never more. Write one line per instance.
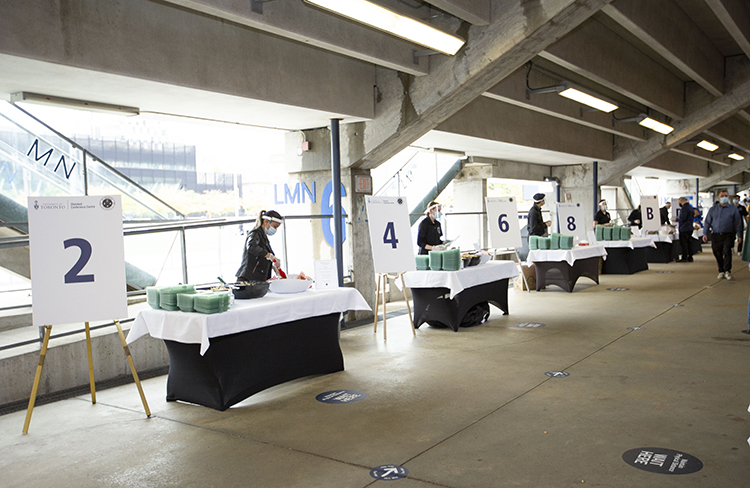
(77, 259)
(390, 234)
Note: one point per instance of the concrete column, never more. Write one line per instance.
(311, 169)
(577, 186)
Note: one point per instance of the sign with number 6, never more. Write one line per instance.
(77, 259)
(390, 234)
(571, 220)
(502, 216)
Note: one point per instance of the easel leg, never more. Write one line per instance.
(408, 307)
(377, 303)
(132, 368)
(518, 261)
(385, 329)
(91, 363)
(37, 377)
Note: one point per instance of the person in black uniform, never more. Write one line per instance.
(257, 257)
(664, 213)
(430, 234)
(535, 222)
(635, 218)
(602, 216)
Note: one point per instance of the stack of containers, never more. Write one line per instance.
(607, 233)
(423, 262)
(436, 260)
(210, 303)
(544, 243)
(168, 296)
(625, 233)
(599, 231)
(554, 240)
(533, 243)
(152, 296)
(566, 242)
(452, 260)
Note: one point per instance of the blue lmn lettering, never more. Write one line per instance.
(276, 200)
(288, 196)
(305, 189)
(35, 147)
(65, 168)
(10, 178)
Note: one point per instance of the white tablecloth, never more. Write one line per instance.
(458, 281)
(633, 243)
(569, 255)
(198, 328)
(661, 238)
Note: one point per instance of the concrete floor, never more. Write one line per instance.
(467, 409)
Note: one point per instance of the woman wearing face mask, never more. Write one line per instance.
(602, 216)
(430, 234)
(258, 258)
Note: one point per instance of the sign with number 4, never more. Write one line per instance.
(390, 234)
(502, 215)
(571, 220)
(77, 259)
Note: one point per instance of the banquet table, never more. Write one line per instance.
(218, 360)
(626, 257)
(664, 248)
(444, 297)
(563, 267)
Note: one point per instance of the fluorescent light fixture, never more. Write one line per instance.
(587, 99)
(654, 125)
(73, 103)
(736, 157)
(708, 146)
(397, 24)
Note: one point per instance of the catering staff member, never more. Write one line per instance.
(602, 216)
(257, 257)
(430, 234)
(664, 213)
(535, 223)
(635, 218)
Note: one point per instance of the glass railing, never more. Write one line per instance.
(35, 160)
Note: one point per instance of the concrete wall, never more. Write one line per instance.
(577, 183)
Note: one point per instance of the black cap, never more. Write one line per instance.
(538, 197)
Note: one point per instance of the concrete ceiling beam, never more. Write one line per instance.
(629, 154)
(597, 53)
(679, 163)
(735, 16)
(668, 30)
(512, 90)
(314, 27)
(475, 12)
(497, 121)
(733, 132)
(518, 32)
(701, 156)
(726, 173)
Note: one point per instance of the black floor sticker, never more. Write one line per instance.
(662, 461)
(635, 328)
(618, 289)
(557, 374)
(389, 472)
(341, 396)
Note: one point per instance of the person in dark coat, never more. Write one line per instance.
(257, 257)
(685, 226)
(430, 233)
(535, 223)
(602, 216)
(664, 213)
(635, 218)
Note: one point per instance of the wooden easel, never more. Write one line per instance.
(514, 251)
(42, 355)
(383, 277)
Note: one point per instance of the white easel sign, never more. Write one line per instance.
(502, 216)
(572, 220)
(390, 234)
(77, 259)
(650, 215)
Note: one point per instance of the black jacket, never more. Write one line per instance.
(429, 233)
(535, 224)
(635, 215)
(664, 214)
(255, 266)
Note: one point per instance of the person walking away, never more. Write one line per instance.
(723, 222)
(685, 227)
(535, 222)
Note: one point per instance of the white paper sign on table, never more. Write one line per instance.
(390, 234)
(77, 259)
(572, 220)
(326, 274)
(650, 215)
(674, 211)
(502, 215)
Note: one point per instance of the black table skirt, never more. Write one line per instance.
(564, 275)
(623, 260)
(435, 304)
(663, 253)
(239, 365)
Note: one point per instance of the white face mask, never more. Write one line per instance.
(271, 230)
(604, 207)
